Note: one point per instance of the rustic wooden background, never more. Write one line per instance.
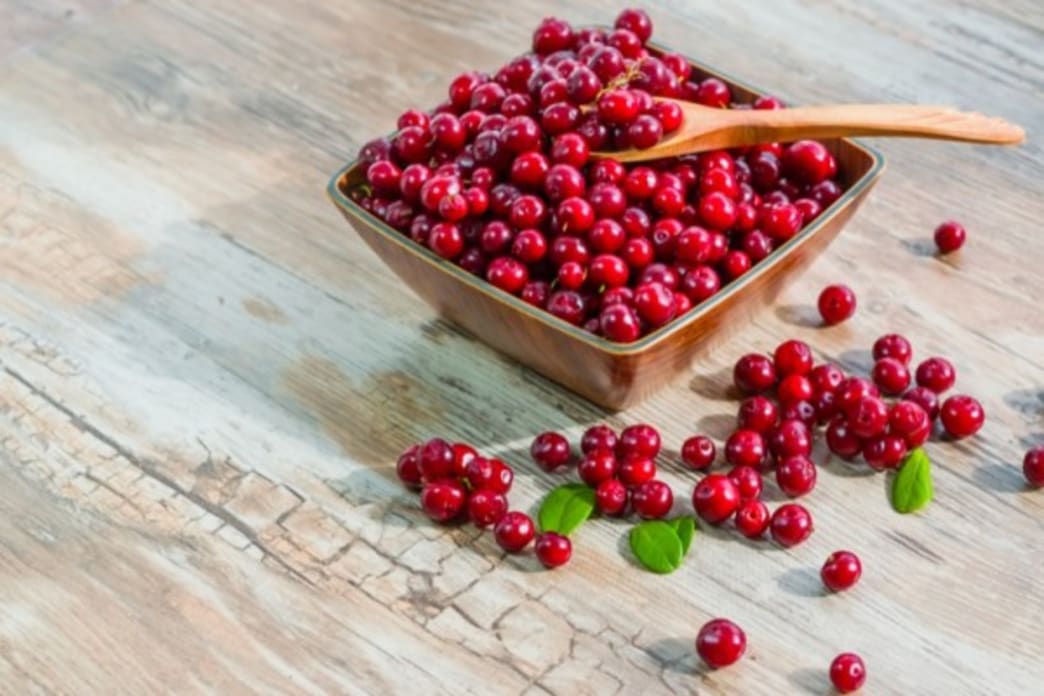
(205, 378)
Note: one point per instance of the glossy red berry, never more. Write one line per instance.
(794, 388)
(867, 417)
(906, 419)
(847, 673)
(796, 476)
(443, 500)
(514, 531)
(463, 453)
(851, 390)
(720, 643)
(748, 482)
(486, 507)
(553, 550)
(490, 474)
(635, 21)
(891, 376)
(884, 452)
(640, 440)
(841, 570)
(791, 438)
(619, 323)
(1033, 467)
(407, 467)
(949, 236)
(507, 273)
(698, 452)
(745, 448)
(926, 399)
(793, 358)
(962, 416)
(633, 470)
(715, 498)
(655, 303)
(652, 500)
(436, 460)
(893, 346)
(836, 304)
(598, 438)
(611, 497)
(936, 374)
(791, 524)
(809, 162)
(752, 519)
(757, 413)
(841, 440)
(754, 373)
(550, 450)
(596, 467)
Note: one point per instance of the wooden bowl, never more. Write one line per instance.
(614, 375)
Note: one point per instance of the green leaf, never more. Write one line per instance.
(657, 546)
(565, 508)
(685, 528)
(912, 487)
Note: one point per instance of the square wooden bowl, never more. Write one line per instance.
(614, 375)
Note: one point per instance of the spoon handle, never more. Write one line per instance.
(844, 120)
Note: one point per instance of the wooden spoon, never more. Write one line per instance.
(706, 128)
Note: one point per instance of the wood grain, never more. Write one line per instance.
(205, 378)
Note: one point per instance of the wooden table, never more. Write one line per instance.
(205, 378)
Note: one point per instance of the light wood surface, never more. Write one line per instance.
(205, 378)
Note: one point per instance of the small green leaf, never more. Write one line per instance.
(685, 528)
(565, 508)
(912, 487)
(657, 546)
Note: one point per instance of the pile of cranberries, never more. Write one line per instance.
(500, 180)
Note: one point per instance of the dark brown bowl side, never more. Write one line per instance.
(613, 375)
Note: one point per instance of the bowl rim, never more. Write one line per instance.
(348, 206)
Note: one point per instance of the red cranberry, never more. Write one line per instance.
(637, 253)
(567, 306)
(529, 170)
(530, 246)
(611, 497)
(506, 273)
(620, 323)
(847, 673)
(443, 500)
(808, 161)
(754, 373)
(550, 450)
(598, 438)
(669, 114)
(826, 378)
(463, 453)
(893, 346)
(635, 470)
(668, 201)
(852, 390)
(906, 419)
(514, 531)
(700, 283)
(720, 643)
(713, 92)
(609, 270)
(617, 106)
(926, 399)
(748, 482)
(639, 440)
(446, 240)
(962, 416)
(553, 550)
(801, 411)
(644, 132)
(536, 293)
(781, 222)
(461, 88)
(745, 448)
(824, 406)
(1033, 467)
(949, 236)
(841, 570)
(884, 452)
(752, 519)
(808, 208)
(791, 524)
(384, 176)
(757, 413)
(375, 151)
(607, 171)
(796, 476)
(936, 374)
(492, 474)
(563, 181)
(718, 211)
(836, 304)
(715, 498)
(654, 303)
(596, 467)
(437, 460)
(408, 467)
(841, 440)
(793, 358)
(486, 507)
(794, 388)
(891, 376)
(698, 452)
(575, 215)
(791, 439)
(867, 417)
(652, 500)
(412, 144)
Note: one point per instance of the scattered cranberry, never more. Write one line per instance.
(754, 373)
(950, 236)
(720, 643)
(791, 439)
(443, 500)
(891, 376)
(596, 467)
(796, 476)
(598, 438)
(436, 460)
(793, 358)
(716, 498)
(962, 416)
(926, 399)
(906, 419)
(936, 374)
(745, 448)
(698, 452)
(841, 570)
(489, 474)
(1033, 467)
(550, 450)
(752, 519)
(486, 507)
(553, 549)
(836, 304)
(795, 388)
(611, 497)
(514, 531)
(652, 500)
(867, 417)
(757, 413)
(847, 672)
(893, 346)
(639, 440)
(748, 482)
(408, 467)
(791, 524)
(841, 440)
(634, 470)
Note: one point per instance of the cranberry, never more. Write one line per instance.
(598, 438)
(443, 500)
(809, 208)
(926, 399)
(412, 144)
(824, 406)
(553, 550)
(495, 237)
(384, 176)
(893, 346)
(836, 304)
(757, 413)
(884, 452)
(668, 201)
(748, 482)
(826, 378)
(796, 476)
(720, 643)
(754, 373)
(652, 500)
(644, 132)
(530, 246)
(891, 376)
(529, 170)
(611, 497)
(718, 211)
(506, 273)
(936, 374)
(408, 467)
(461, 88)
(745, 448)
(637, 253)
(791, 439)
(852, 390)
(713, 92)
(596, 467)
(514, 531)
(619, 323)
(634, 470)
(794, 388)
(715, 498)
(563, 181)
(847, 672)
(437, 460)
(575, 215)
(793, 358)
(559, 118)
(635, 21)
(752, 519)
(1033, 467)
(962, 416)
(489, 474)
(906, 419)
(571, 149)
(617, 106)
(550, 450)
(527, 211)
(867, 417)
(654, 303)
(781, 222)
(757, 245)
(375, 151)
(841, 570)
(607, 171)
(609, 270)
(808, 161)
(791, 524)
(949, 236)
(486, 507)
(698, 452)
(639, 440)
(669, 114)
(463, 453)
(841, 440)
(825, 192)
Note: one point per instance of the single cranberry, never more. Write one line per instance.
(836, 304)
(716, 498)
(852, 390)
(407, 467)
(796, 476)
(486, 507)
(841, 440)
(781, 222)
(375, 151)
(443, 500)
(385, 177)
(461, 88)
(659, 273)
(752, 519)
(617, 106)
(506, 273)
(607, 171)
(791, 524)
(701, 283)
(652, 499)
(720, 643)
(893, 346)
(644, 132)
(841, 570)
(478, 201)
(891, 376)
(754, 373)
(936, 374)
(566, 305)
(735, 264)
(436, 460)
(495, 237)
(634, 470)
(412, 144)
(809, 209)
(808, 161)
(596, 467)
(463, 453)
(668, 201)
(488, 473)
(757, 245)
(757, 413)
(748, 482)
(514, 531)
(563, 181)
(655, 303)
(745, 448)
(793, 357)
(713, 92)
(620, 323)
(825, 192)
(575, 215)
(669, 114)
(847, 672)
(906, 419)
(698, 452)
(718, 211)
(622, 295)
(867, 417)
(609, 270)
(962, 416)
(826, 378)
(824, 407)
(529, 170)
(611, 497)
(559, 118)
(583, 85)
(949, 236)
(639, 440)
(566, 249)
(529, 246)
(536, 293)
(791, 439)
(884, 452)
(550, 450)
(553, 550)
(926, 399)
(794, 388)
(1033, 467)
(446, 240)
(637, 252)
(635, 21)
